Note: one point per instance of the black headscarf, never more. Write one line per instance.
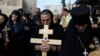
(16, 12)
(46, 11)
(80, 15)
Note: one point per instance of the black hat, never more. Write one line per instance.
(80, 15)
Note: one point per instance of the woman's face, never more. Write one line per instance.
(45, 19)
(1, 19)
(81, 28)
(14, 17)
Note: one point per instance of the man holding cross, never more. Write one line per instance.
(47, 30)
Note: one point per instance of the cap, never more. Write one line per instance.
(80, 14)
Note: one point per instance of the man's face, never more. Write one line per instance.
(1, 19)
(81, 28)
(45, 19)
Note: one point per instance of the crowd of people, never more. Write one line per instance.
(73, 28)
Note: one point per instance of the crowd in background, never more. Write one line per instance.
(19, 27)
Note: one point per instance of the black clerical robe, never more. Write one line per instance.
(72, 44)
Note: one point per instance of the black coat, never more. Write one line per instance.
(16, 44)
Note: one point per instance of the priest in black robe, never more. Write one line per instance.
(79, 33)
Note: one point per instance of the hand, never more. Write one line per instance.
(92, 46)
(58, 48)
(95, 26)
(53, 48)
(44, 47)
(37, 47)
(26, 28)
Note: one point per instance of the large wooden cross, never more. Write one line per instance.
(45, 40)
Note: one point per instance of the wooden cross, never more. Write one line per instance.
(85, 52)
(6, 30)
(45, 40)
(45, 31)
